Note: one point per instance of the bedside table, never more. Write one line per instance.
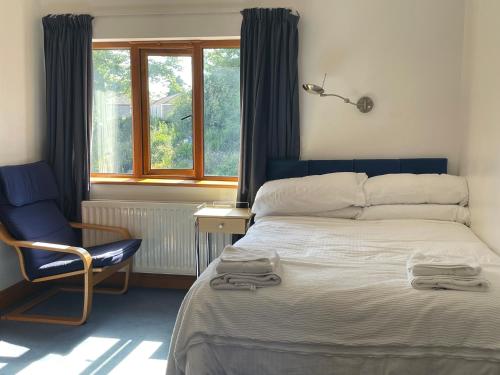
(218, 219)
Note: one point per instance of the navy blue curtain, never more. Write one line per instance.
(269, 94)
(68, 73)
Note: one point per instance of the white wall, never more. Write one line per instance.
(21, 100)
(406, 54)
(480, 160)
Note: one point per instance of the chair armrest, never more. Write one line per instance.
(122, 231)
(80, 252)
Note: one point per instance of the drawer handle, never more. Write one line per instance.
(221, 225)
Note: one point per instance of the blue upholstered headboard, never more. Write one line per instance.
(277, 169)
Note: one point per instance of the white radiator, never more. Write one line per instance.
(166, 229)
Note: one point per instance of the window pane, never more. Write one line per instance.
(221, 111)
(112, 113)
(170, 112)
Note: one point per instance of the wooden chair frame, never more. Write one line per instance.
(92, 276)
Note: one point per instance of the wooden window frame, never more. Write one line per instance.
(140, 107)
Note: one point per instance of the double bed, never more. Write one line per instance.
(344, 305)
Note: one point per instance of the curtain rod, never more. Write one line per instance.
(180, 12)
(162, 13)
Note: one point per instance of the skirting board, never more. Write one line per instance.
(21, 291)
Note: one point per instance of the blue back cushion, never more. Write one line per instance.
(28, 216)
(28, 183)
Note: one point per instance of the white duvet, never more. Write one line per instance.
(344, 306)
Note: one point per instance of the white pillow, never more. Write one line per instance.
(307, 195)
(445, 212)
(406, 188)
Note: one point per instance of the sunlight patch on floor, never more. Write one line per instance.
(74, 362)
(139, 360)
(111, 356)
(10, 350)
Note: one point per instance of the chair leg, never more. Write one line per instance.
(88, 294)
(116, 291)
(19, 313)
(123, 289)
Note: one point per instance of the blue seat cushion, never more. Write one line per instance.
(102, 256)
(38, 222)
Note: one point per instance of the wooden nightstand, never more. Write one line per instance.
(218, 219)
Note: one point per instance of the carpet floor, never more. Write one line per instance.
(127, 334)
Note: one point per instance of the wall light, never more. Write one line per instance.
(364, 104)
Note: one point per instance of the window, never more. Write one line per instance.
(169, 109)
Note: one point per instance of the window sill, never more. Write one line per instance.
(164, 182)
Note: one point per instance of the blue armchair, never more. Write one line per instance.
(49, 246)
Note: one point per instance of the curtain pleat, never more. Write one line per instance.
(269, 94)
(68, 73)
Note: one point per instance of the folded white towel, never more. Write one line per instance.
(466, 283)
(245, 281)
(233, 253)
(428, 264)
(235, 259)
(239, 268)
(251, 266)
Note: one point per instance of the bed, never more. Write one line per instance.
(344, 305)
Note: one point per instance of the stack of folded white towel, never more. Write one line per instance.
(457, 272)
(246, 269)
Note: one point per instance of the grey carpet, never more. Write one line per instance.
(126, 334)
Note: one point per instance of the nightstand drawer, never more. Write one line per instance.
(222, 225)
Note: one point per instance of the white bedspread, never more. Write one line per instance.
(344, 297)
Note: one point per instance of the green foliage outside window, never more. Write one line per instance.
(222, 111)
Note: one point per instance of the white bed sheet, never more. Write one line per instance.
(344, 306)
